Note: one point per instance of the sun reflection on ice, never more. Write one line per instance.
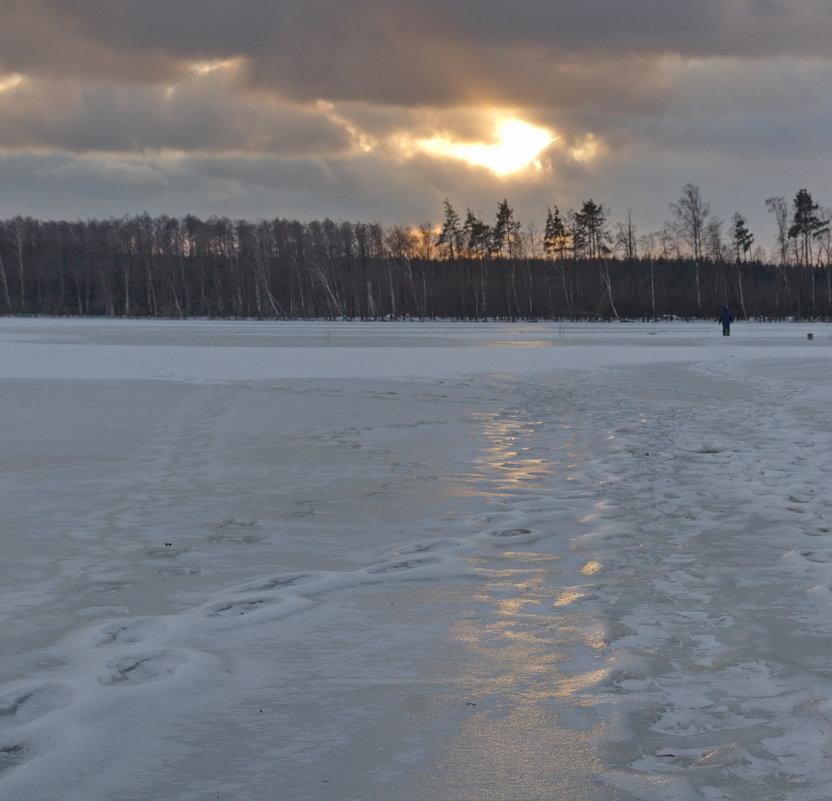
(527, 732)
(568, 597)
(530, 657)
(591, 568)
(505, 462)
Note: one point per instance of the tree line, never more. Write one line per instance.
(579, 265)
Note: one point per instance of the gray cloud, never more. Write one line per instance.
(549, 54)
(370, 49)
(210, 112)
(317, 112)
(643, 178)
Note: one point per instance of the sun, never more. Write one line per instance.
(517, 144)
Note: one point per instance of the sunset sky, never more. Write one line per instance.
(377, 111)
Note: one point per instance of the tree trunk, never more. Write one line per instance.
(5, 283)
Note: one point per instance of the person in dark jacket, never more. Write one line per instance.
(726, 319)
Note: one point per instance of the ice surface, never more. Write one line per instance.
(404, 562)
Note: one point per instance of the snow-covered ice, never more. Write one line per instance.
(415, 562)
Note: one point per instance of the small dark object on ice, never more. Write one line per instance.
(726, 318)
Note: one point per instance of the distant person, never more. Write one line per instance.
(726, 319)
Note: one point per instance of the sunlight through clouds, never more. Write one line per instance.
(204, 67)
(587, 148)
(517, 146)
(9, 82)
(380, 111)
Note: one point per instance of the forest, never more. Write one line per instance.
(579, 265)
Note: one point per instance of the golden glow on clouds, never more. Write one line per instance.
(587, 149)
(221, 71)
(205, 67)
(517, 146)
(9, 82)
(362, 141)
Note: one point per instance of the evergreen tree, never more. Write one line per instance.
(451, 236)
(555, 234)
(506, 230)
(592, 220)
(477, 235)
(742, 238)
(806, 225)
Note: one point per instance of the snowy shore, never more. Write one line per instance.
(407, 562)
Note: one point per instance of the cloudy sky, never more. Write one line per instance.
(377, 111)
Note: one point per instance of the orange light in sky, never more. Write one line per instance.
(204, 67)
(587, 149)
(517, 146)
(8, 82)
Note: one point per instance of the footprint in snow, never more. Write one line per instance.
(13, 754)
(100, 587)
(275, 583)
(424, 547)
(236, 538)
(242, 607)
(143, 667)
(407, 564)
(178, 570)
(166, 551)
(511, 532)
(30, 703)
(820, 557)
(128, 631)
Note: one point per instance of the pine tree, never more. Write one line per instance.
(506, 230)
(476, 235)
(592, 220)
(451, 235)
(742, 237)
(555, 234)
(806, 225)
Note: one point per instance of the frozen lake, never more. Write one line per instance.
(260, 561)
